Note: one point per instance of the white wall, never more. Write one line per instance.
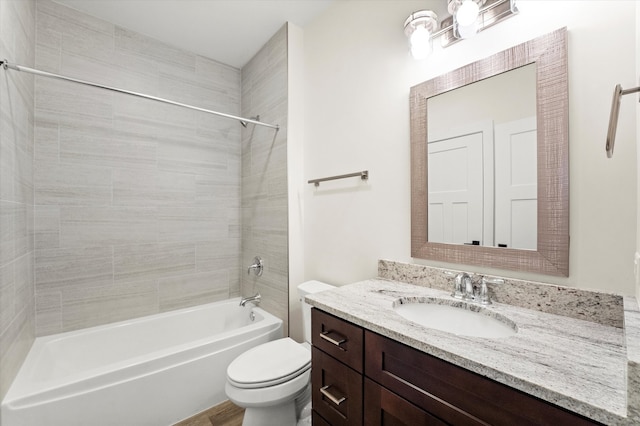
(358, 75)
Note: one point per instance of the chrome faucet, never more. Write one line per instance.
(468, 292)
(463, 287)
(255, 299)
(459, 285)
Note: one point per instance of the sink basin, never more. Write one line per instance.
(456, 317)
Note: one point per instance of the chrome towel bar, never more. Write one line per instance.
(364, 175)
(613, 118)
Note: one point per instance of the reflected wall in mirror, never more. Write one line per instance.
(548, 251)
(482, 166)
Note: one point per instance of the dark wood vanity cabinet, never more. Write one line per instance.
(360, 377)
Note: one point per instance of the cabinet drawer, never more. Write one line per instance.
(336, 390)
(338, 338)
(386, 408)
(453, 394)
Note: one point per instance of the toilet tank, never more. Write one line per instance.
(309, 287)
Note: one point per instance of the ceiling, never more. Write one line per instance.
(229, 31)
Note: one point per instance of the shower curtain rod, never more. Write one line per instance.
(244, 121)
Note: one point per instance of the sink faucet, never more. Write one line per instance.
(461, 283)
(255, 299)
(468, 292)
(463, 287)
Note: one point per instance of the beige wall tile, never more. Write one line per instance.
(16, 342)
(7, 291)
(73, 267)
(139, 45)
(153, 261)
(48, 312)
(219, 255)
(194, 289)
(90, 306)
(101, 147)
(8, 213)
(17, 44)
(106, 226)
(47, 227)
(192, 224)
(72, 185)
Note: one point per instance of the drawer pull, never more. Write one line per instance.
(325, 335)
(336, 400)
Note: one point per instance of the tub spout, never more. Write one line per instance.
(255, 299)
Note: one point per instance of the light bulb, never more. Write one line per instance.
(420, 43)
(467, 13)
(468, 31)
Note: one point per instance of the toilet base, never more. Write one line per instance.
(279, 415)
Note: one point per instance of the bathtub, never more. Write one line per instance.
(155, 370)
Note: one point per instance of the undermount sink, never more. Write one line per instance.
(456, 317)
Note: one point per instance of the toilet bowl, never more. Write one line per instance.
(272, 381)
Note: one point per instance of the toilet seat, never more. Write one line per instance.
(269, 364)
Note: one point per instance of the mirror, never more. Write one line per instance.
(546, 58)
(482, 166)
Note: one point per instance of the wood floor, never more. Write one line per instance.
(225, 414)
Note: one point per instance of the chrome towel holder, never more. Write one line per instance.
(364, 175)
(618, 92)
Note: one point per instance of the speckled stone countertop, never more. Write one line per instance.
(576, 364)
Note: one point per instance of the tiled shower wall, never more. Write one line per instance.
(17, 36)
(137, 203)
(264, 176)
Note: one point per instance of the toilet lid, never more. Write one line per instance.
(269, 364)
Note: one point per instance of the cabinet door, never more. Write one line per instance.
(336, 390)
(385, 408)
(317, 420)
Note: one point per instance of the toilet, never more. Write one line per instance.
(272, 381)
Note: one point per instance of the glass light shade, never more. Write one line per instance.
(467, 13)
(420, 43)
(468, 31)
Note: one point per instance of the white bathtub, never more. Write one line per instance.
(155, 370)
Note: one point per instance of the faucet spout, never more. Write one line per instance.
(255, 299)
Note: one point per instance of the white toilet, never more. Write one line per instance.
(272, 381)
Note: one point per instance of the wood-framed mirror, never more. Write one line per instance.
(549, 253)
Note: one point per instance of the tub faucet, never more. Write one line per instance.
(255, 299)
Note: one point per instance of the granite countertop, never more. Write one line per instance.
(573, 363)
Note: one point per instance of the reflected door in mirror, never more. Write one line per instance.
(516, 188)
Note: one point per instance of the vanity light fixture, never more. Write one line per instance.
(468, 17)
(419, 28)
(465, 16)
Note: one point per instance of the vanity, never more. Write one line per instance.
(372, 366)
(567, 356)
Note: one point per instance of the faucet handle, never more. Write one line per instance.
(485, 299)
(257, 266)
(458, 284)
